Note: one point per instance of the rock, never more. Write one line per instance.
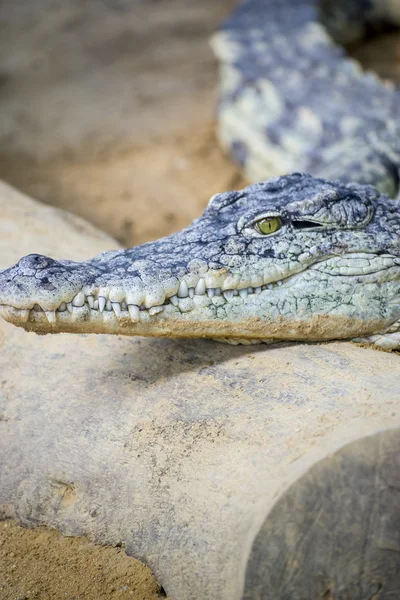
(27, 226)
(256, 472)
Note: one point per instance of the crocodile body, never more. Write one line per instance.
(297, 257)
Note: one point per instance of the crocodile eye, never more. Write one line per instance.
(268, 225)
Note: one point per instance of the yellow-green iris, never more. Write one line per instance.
(269, 225)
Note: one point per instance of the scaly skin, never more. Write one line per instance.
(290, 100)
(337, 279)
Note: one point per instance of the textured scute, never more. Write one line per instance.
(297, 292)
(294, 101)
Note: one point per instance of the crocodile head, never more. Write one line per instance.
(291, 258)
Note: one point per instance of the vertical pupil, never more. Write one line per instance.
(269, 225)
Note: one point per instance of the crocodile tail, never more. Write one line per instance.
(291, 100)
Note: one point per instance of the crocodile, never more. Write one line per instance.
(312, 255)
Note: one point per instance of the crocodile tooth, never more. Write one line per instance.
(109, 305)
(133, 312)
(174, 300)
(235, 293)
(69, 307)
(153, 310)
(218, 291)
(270, 286)
(183, 291)
(191, 292)
(96, 305)
(62, 307)
(90, 301)
(257, 290)
(250, 290)
(228, 295)
(117, 308)
(243, 293)
(279, 283)
(79, 300)
(210, 292)
(102, 303)
(51, 316)
(200, 288)
(124, 305)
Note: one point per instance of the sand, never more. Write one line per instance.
(42, 564)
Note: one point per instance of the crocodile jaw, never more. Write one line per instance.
(287, 309)
(220, 278)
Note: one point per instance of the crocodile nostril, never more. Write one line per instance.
(35, 261)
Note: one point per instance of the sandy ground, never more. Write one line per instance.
(42, 564)
(108, 111)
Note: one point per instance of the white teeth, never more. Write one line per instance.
(51, 316)
(228, 295)
(102, 303)
(133, 312)
(103, 292)
(153, 310)
(183, 290)
(200, 288)
(117, 308)
(79, 300)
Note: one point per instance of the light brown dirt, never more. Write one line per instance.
(108, 110)
(41, 564)
(138, 177)
(134, 193)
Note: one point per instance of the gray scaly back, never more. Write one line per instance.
(298, 257)
(291, 100)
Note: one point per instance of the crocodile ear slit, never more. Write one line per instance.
(306, 224)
